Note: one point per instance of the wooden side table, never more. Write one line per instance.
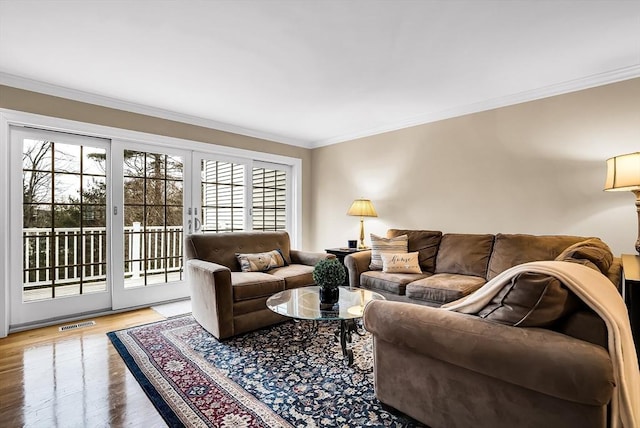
(631, 292)
(340, 254)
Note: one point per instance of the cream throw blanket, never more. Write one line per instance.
(597, 291)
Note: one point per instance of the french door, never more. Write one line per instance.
(99, 224)
(149, 195)
(60, 251)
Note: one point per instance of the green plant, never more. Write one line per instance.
(329, 273)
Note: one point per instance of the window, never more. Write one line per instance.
(222, 193)
(63, 219)
(153, 203)
(269, 199)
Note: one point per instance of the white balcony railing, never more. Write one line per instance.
(69, 255)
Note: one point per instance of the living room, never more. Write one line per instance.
(529, 160)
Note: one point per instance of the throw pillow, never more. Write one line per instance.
(400, 263)
(380, 245)
(531, 300)
(591, 252)
(425, 242)
(260, 262)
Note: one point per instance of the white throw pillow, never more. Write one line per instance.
(400, 263)
(380, 245)
(260, 262)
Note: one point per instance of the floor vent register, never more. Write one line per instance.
(77, 325)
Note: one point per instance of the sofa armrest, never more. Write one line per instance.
(537, 359)
(357, 263)
(615, 273)
(211, 296)
(308, 258)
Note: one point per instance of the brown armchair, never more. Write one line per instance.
(227, 301)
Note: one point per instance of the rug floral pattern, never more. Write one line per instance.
(265, 378)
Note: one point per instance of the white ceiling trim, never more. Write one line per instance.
(544, 92)
(104, 101)
(600, 79)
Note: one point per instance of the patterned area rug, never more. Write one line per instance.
(259, 379)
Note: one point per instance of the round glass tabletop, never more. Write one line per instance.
(304, 303)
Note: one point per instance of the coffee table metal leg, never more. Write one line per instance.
(305, 330)
(347, 327)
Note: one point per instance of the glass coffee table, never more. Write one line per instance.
(304, 304)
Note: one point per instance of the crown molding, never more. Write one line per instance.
(104, 101)
(600, 79)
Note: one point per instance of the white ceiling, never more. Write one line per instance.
(311, 73)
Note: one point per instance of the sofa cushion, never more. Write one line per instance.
(294, 275)
(425, 242)
(464, 254)
(444, 287)
(531, 300)
(400, 263)
(379, 245)
(511, 250)
(392, 282)
(261, 262)
(250, 285)
(591, 252)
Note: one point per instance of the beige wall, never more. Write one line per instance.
(536, 167)
(32, 102)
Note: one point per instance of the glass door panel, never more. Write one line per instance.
(269, 199)
(64, 221)
(153, 206)
(222, 191)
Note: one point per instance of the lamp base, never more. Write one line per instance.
(361, 245)
(637, 193)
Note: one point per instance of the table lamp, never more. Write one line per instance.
(363, 208)
(623, 173)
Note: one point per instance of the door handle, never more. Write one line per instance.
(197, 224)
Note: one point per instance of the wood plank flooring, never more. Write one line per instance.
(73, 378)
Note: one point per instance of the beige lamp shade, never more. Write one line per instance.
(623, 172)
(362, 208)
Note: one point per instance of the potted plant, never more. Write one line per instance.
(329, 274)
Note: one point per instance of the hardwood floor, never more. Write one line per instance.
(74, 378)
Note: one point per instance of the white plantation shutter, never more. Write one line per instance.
(223, 200)
(269, 199)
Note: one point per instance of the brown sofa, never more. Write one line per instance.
(454, 265)
(448, 369)
(228, 302)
